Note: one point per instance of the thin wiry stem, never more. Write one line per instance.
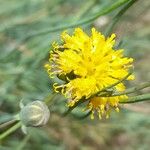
(85, 116)
(85, 21)
(135, 99)
(118, 16)
(87, 6)
(75, 24)
(49, 99)
(71, 108)
(10, 130)
(81, 117)
(100, 93)
(133, 89)
(3, 125)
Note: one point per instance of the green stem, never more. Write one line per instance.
(85, 21)
(10, 130)
(84, 10)
(3, 125)
(133, 89)
(81, 117)
(100, 93)
(71, 108)
(136, 99)
(84, 116)
(49, 99)
(118, 16)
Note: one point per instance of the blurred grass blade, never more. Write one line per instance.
(72, 25)
(23, 142)
(118, 16)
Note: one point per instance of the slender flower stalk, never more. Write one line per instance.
(3, 125)
(10, 130)
(133, 89)
(135, 99)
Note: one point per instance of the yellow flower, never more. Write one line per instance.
(88, 64)
(103, 105)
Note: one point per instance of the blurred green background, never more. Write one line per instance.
(22, 75)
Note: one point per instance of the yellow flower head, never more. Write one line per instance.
(88, 64)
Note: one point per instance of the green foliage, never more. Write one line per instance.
(27, 29)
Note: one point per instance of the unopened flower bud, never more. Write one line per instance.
(35, 114)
